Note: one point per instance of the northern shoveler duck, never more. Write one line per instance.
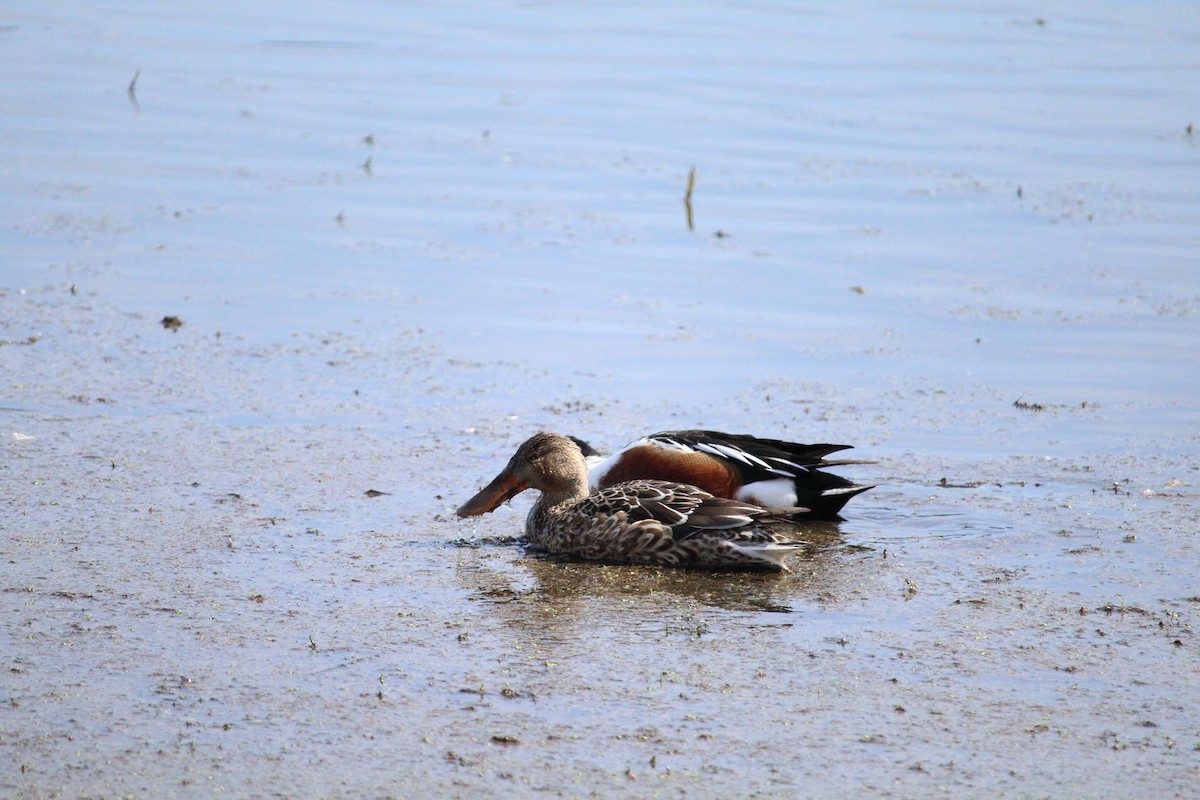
(770, 473)
(640, 522)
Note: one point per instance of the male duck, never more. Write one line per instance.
(640, 522)
(770, 473)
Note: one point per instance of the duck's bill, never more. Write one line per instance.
(502, 489)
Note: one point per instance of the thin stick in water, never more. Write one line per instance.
(687, 197)
(132, 91)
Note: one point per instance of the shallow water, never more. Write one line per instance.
(400, 238)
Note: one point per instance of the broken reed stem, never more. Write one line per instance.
(687, 197)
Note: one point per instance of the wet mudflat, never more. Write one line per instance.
(270, 312)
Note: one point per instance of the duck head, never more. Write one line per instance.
(548, 462)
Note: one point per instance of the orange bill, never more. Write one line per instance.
(503, 488)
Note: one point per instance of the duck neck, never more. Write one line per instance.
(565, 492)
(554, 501)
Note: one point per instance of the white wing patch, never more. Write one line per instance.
(731, 453)
(792, 468)
(779, 493)
(842, 490)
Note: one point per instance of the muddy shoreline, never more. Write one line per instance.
(205, 599)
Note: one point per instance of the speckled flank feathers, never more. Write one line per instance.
(640, 522)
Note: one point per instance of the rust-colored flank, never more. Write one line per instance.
(717, 477)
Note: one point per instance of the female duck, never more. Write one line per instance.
(640, 522)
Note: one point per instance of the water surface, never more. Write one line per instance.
(401, 238)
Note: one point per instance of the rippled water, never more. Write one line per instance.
(400, 237)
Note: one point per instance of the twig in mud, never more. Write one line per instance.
(132, 92)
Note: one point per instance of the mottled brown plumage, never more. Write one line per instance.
(640, 522)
